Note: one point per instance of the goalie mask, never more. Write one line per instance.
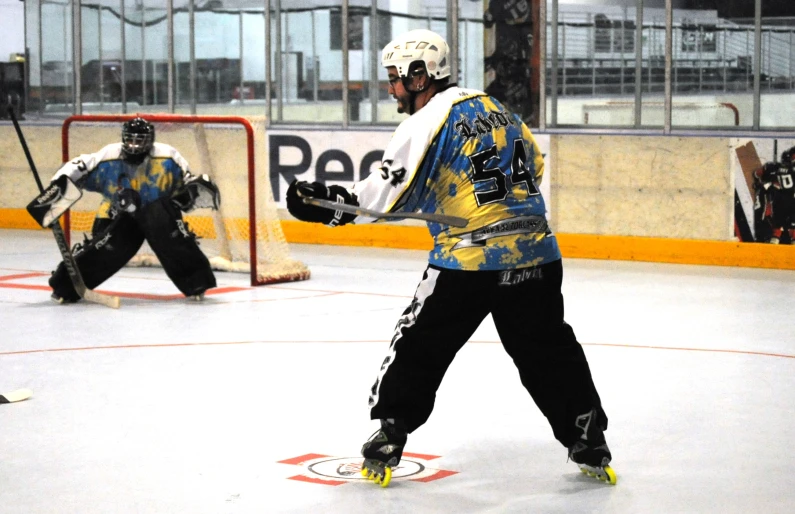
(137, 137)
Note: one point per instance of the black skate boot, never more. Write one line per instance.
(590, 452)
(383, 451)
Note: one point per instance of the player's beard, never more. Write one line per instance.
(403, 103)
(400, 106)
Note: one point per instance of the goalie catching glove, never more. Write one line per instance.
(198, 192)
(314, 214)
(56, 199)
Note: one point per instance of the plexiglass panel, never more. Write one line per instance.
(55, 73)
(777, 84)
(713, 73)
(606, 58)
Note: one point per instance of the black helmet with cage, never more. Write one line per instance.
(788, 157)
(137, 138)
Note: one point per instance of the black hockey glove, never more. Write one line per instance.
(198, 192)
(127, 200)
(314, 214)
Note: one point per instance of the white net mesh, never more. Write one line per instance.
(222, 147)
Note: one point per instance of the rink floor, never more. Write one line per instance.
(255, 401)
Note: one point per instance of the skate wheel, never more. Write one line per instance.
(386, 478)
(611, 475)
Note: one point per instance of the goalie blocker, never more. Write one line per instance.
(59, 196)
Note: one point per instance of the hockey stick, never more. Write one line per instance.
(16, 396)
(60, 237)
(453, 221)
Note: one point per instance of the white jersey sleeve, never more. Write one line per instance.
(164, 151)
(79, 167)
(405, 154)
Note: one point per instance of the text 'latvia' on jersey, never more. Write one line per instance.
(463, 154)
(106, 172)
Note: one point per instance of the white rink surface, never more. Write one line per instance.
(166, 406)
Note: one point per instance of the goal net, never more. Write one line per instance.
(683, 114)
(245, 234)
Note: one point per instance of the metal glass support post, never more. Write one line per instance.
(542, 71)
(170, 63)
(123, 57)
(554, 70)
(725, 61)
(638, 61)
(374, 61)
(143, 54)
(242, 81)
(279, 80)
(68, 84)
(669, 32)
(562, 56)
(790, 59)
(192, 55)
(675, 79)
(99, 53)
(452, 33)
(315, 61)
(268, 81)
(757, 61)
(591, 51)
(346, 115)
(77, 56)
(623, 46)
(41, 71)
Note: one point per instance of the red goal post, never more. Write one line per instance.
(245, 234)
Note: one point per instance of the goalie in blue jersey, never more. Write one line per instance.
(145, 187)
(461, 153)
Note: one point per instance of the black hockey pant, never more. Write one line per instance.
(527, 308)
(116, 241)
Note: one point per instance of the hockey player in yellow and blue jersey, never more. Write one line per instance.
(461, 153)
(145, 187)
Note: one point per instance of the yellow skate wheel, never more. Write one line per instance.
(365, 472)
(387, 477)
(611, 475)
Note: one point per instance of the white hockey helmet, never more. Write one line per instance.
(418, 45)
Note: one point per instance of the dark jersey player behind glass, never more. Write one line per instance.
(461, 153)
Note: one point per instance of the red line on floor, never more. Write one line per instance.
(144, 296)
(683, 349)
(23, 275)
(225, 343)
(297, 461)
(140, 296)
(25, 286)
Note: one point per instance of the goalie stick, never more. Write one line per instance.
(16, 396)
(60, 238)
(453, 221)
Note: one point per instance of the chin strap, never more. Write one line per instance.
(413, 94)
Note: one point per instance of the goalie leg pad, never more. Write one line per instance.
(99, 258)
(176, 247)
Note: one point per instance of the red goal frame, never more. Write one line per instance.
(182, 118)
